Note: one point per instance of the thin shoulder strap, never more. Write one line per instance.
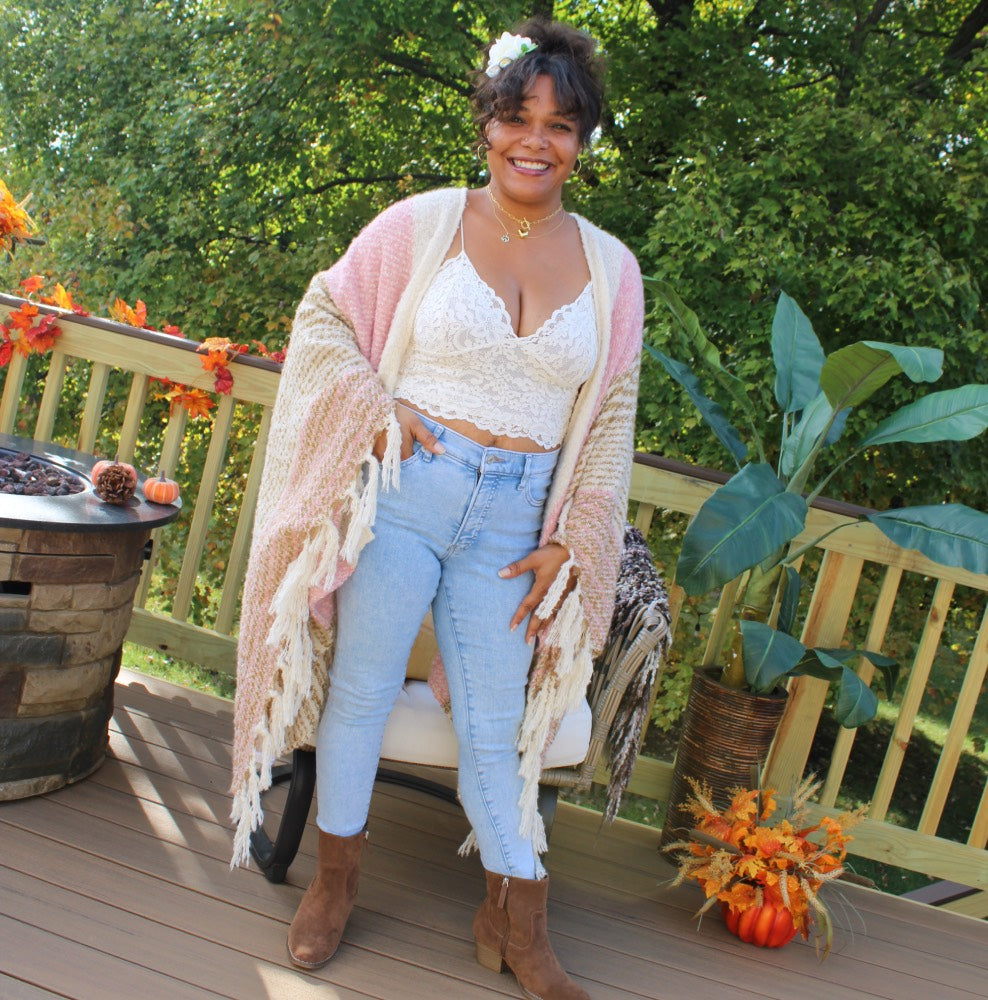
(463, 237)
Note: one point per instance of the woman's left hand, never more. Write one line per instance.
(545, 563)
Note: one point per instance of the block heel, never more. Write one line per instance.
(490, 958)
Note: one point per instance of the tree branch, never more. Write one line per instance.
(847, 74)
(424, 70)
(666, 11)
(367, 179)
(966, 41)
(963, 45)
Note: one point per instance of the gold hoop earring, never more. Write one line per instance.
(480, 150)
(578, 166)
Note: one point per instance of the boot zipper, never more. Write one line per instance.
(504, 892)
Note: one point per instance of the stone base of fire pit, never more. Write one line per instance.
(67, 585)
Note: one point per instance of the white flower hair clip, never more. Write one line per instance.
(506, 50)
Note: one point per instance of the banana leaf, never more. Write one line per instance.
(889, 668)
(948, 533)
(745, 521)
(800, 441)
(769, 655)
(711, 412)
(696, 342)
(855, 703)
(855, 372)
(918, 364)
(798, 356)
(790, 600)
(951, 415)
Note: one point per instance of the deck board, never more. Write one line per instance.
(120, 887)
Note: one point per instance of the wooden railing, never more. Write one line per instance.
(110, 352)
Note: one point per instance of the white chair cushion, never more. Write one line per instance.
(420, 732)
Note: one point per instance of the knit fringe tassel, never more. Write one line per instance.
(315, 566)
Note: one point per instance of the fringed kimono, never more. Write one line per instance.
(318, 493)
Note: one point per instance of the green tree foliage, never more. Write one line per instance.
(210, 155)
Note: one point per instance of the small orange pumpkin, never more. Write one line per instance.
(768, 926)
(159, 489)
(104, 463)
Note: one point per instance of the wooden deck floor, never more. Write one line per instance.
(119, 887)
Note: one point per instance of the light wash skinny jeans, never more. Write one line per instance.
(458, 518)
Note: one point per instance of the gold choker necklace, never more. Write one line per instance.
(524, 225)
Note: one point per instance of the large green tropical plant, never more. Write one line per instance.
(740, 538)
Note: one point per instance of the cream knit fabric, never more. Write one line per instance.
(318, 495)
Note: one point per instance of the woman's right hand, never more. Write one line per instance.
(412, 430)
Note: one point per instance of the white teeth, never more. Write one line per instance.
(531, 165)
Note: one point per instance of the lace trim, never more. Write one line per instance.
(466, 363)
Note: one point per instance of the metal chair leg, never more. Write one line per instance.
(274, 858)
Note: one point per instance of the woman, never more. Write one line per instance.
(479, 349)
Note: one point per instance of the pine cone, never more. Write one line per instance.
(114, 485)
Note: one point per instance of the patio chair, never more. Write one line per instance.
(420, 733)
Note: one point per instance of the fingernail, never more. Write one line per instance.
(440, 450)
(511, 628)
(502, 573)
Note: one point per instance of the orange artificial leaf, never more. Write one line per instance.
(123, 313)
(212, 344)
(214, 360)
(20, 343)
(23, 318)
(43, 335)
(278, 356)
(63, 299)
(15, 223)
(32, 284)
(172, 331)
(197, 402)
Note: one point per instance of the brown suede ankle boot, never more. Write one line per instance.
(510, 929)
(325, 908)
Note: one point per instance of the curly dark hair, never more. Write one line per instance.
(566, 55)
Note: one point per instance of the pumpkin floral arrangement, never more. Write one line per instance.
(766, 875)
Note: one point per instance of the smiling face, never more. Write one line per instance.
(533, 151)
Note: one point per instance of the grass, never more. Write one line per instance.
(190, 675)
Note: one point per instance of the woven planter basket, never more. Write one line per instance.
(725, 732)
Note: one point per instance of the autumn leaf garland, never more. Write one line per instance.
(28, 331)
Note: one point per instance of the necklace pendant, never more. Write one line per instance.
(525, 228)
(505, 238)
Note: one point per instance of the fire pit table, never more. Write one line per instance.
(69, 567)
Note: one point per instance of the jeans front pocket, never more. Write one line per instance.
(415, 455)
(536, 488)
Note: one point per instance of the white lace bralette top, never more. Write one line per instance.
(467, 363)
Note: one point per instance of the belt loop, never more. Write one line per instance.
(526, 472)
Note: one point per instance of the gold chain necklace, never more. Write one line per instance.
(524, 225)
(507, 239)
